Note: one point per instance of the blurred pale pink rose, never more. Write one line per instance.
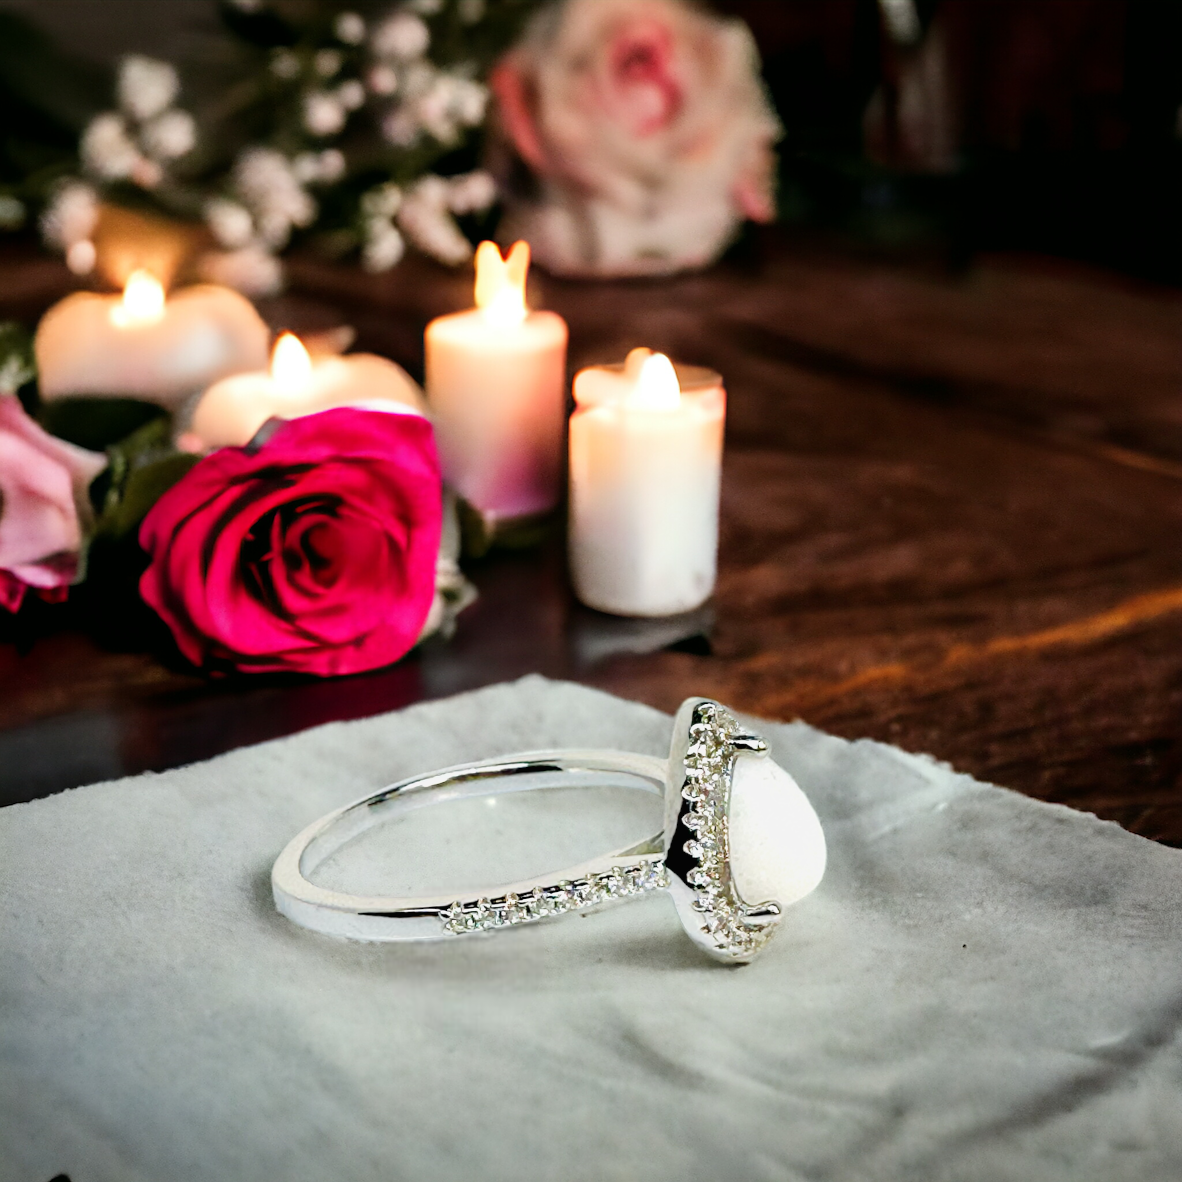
(43, 486)
(647, 130)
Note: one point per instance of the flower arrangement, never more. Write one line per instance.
(325, 546)
(629, 137)
(352, 133)
(323, 541)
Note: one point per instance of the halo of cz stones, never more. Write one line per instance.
(503, 911)
(709, 770)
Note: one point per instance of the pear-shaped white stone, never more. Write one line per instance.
(777, 848)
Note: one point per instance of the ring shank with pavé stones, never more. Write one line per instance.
(741, 842)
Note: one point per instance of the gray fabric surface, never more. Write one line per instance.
(984, 987)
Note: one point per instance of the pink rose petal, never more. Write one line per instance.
(313, 552)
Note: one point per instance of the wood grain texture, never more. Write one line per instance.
(952, 520)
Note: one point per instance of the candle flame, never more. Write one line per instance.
(143, 301)
(500, 283)
(291, 367)
(656, 386)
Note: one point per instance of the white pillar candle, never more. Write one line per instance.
(645, 468)
(231, 411)
(496, 386)
(140, 345)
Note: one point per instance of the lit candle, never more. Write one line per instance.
(141, 345)
(645, 467)
(231, 411)
(496, 385)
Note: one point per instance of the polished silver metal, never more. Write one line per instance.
(361, 917)
(690, 858)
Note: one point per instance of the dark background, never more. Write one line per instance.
(1060, 118)
(1064, 114)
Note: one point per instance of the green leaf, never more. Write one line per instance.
(481, 533)
(97, 423)
(17, 366)
(143, 467)
(144, 487)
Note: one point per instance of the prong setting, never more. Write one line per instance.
(753, 744)
(698, 857)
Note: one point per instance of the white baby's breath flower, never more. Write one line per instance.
(401, 128)
(401, 36)
(267, 184)
(349, 28)
(445, 102)
(171, 134)
(472, 192)
(285, 64)
(425, 219)
(319, 168)
(274, 228)
(472, 11)
(426, 7)
(384, 246)
(382, 80)
(430, 190)
(382, 201)
(332, 165)
(70, 216)
(146, 86)
(107, 149)
(306, 167)
(323, 113)
(229, 222)
(81, 257)
(350, 95)
(146, 173)
(434, 110)
(418, 77)
(470, 101)
(328, 62)
(251, 270)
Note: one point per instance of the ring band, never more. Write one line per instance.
(721, 792)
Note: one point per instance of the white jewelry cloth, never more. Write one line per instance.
(983, 987)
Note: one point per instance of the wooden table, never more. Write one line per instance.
(952, 520)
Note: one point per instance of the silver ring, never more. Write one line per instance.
(741, 842)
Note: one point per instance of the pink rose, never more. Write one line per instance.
(648, 132)
(313, 551)
(43, 506)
